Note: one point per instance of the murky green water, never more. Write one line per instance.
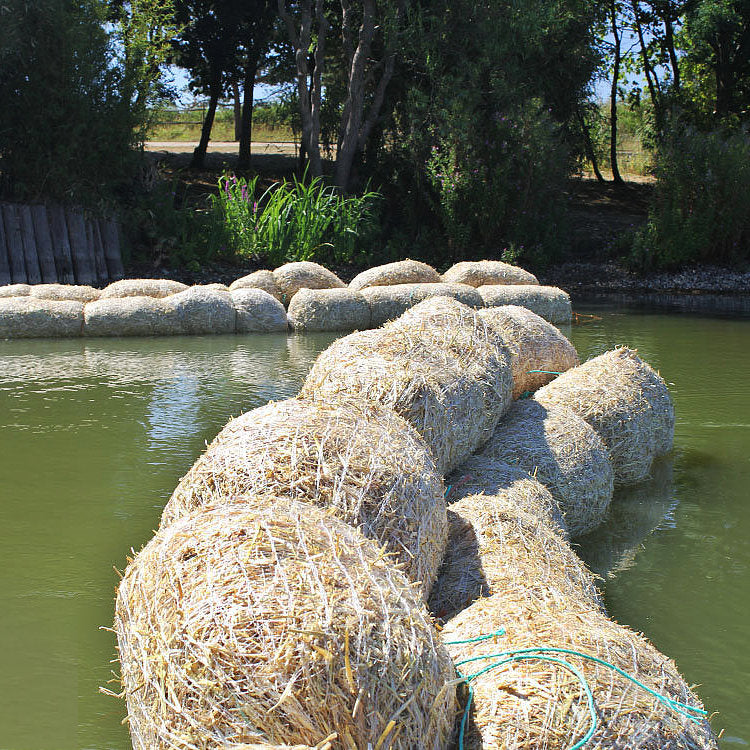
(94, 436)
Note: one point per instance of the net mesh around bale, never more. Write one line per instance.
(626, 402)
(548, 302)
(264, 280)
(533, 343)
(291, 277)
(29, 317)
(329, 310)
(201, 310)
(130, 316)
(561, 451)
(158, 288)
(402, 272)
(529, 703)
(445, 375)
(281, 625)
(258, 311)
(76, 292)
(360, 460)
(495, 544)
(478, 273)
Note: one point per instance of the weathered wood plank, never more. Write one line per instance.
(44, 244)
(5, 277)
(112, 252)
(83, 260)
(61, 245)
(33, 271)
(15, 244)
(99, 259)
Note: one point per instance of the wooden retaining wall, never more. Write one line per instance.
(45, 244)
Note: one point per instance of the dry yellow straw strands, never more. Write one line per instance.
(531, 704)
(482, 272)
(626, 402)
(280, 625)
(402, 272)
(496, 545)
(534, 345)
(559, 449)
(361, 460)
(446, 374)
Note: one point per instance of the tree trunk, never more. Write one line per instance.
(246, 125)
(616, 176)
(237, 110)
(655, 99)
(669, 39)
(589, 146)
(199, 154)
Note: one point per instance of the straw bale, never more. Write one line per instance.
(347, 456)
(201, 310)
(329, 310)
(388, 302)
(478, 273)
(264, 280)
(533, 343)
(530, 704)
(291, 277)
(497, 542)
(275, 623)
(402, 272)
(130, 316)
(142, 288)
(77, 292)
(15, 290)
(216, 286)
(560, 450)
(450, 382)
(626, 402)
(258, 311)
(549, 302)
(27, 317)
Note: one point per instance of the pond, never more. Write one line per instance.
(95, 434)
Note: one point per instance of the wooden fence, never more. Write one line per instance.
(45, 244)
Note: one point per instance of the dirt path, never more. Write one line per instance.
(221, 147)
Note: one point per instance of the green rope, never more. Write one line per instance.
(545, 372)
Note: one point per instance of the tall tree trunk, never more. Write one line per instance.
(669, 40)
(237, 110)
(616, 176)
(589, 146)
(655, 98)
(199, 154)
(246, 125)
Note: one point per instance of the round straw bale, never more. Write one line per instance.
(201, 310)
(130, 316)
(495, 544)
(264, 280)
(347, 456)
(388, 302)
(451, 384)
(533, 343)
(76, 292)
(28, 317)
(291, 277)
(142, 288)
(15, 290)
(329, 310)
(626, 402)
(402, 272)
(487, 272)
(549, 302)
(275, 623)
(258, 311)
(559, 449)
(216, 286)
(531, 703)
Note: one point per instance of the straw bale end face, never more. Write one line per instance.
(548, 302)
(402, 272)
(276, 626)
(258, 311)
(329, 310)
(291, 277)
(488, 272)
(203, 311)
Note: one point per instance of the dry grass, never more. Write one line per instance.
(626, 402)
(361, 461)
(329, 310)
(548, 302)
(142, 288)
(277, 625)
(402, 272)
(486, 272)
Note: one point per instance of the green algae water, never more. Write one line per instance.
(95, 434)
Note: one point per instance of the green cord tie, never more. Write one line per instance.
(545, 372)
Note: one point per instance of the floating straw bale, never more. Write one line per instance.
(291, 277)
(450, 382)
(560, 450)
(495, 544)
(533, 343)
(402, 272)
(76, 292)
(201, 311)
(142, 288)
(388, 302)
(130, 316)
(28, 317)
(626, 402)
(264, 280)
(348, 456)
(329, 310)
(478, 273)
(529, 703)
(258, 311)
(15, 290)
(275, 623)
(549, 302)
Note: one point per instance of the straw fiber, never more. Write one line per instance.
(15, 290)
(275, 623)
(76, 292)
(402, 272)
(548, 302)
(329, 310)
(203, 311)
(130, 316)
(28, 317)
(487, 272)
(291, 277)
(264, 280)
(142, 288)
(258, 311)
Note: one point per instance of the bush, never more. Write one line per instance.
(701, 206)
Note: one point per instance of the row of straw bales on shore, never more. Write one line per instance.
(317, 300)
(292, 594)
